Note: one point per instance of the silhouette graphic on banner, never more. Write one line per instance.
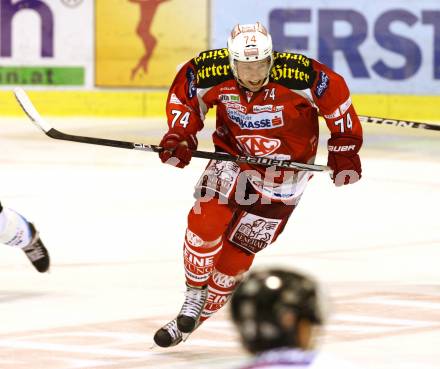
(148, 10)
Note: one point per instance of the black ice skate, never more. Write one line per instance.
(195, 298)
(36, 252)
(169, 335)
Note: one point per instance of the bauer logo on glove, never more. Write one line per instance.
(343, 158)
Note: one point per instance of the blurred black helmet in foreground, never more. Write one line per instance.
(270, 306)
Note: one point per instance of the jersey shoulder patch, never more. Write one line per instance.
(212, 67)
(292, 71)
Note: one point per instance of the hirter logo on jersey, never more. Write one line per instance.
(263, 120)
(258, 145)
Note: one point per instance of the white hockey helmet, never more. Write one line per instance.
(249, 42)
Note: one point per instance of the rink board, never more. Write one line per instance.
(152, 104)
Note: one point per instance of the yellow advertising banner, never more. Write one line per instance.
(140, 43)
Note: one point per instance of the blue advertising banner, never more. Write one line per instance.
(379, 47)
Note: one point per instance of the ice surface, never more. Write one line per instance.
(113, 221)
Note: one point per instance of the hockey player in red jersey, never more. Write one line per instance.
(17, 232)
(262, 110)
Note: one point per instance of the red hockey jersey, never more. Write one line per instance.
(279, 121)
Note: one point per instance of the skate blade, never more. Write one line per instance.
(153, 346)
(185, 336)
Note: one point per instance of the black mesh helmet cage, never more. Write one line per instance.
(259, 302)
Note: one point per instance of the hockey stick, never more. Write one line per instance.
(33, 114)
(398, 123)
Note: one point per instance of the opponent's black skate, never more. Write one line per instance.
(36, 252)
(169, 335)
(195, 299)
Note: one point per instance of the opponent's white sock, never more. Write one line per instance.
(14, 229)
